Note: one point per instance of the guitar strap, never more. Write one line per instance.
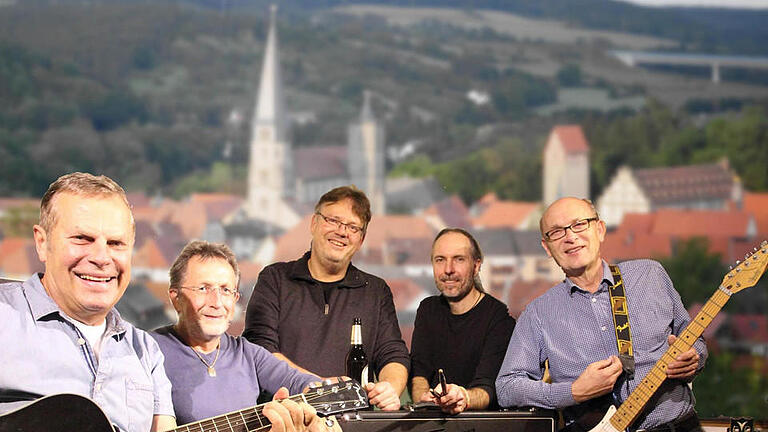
(621, 322)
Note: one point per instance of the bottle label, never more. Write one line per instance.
(364, 376)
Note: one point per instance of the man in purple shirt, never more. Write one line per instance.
(572, 327)
(212, 372)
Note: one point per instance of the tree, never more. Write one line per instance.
(694, 270)
(569, 75)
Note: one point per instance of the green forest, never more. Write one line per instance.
(144, 93)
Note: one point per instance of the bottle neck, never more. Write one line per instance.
(357, 335)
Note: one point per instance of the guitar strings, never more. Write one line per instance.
(246, 419)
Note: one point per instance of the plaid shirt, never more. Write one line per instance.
(573, 328)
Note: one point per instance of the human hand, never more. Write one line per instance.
(455, 400)
(597, 379)
(685, 363)
(286, 415)
(383, 395)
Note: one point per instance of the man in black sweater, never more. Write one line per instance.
(462, 331)
(302, 311)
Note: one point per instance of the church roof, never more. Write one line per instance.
(451, 211)
(320, 162)
(512, 214)
(572, 138)
(686, 183)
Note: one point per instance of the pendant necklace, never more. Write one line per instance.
(211, 369)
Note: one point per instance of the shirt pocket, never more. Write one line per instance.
(140, 400)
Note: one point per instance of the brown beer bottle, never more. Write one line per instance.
(357, 362)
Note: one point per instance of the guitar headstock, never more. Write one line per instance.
(335, 398)
(747, 273)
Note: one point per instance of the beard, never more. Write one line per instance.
(463, 290)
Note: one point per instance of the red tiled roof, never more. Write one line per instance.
(572, 138)
(623, 245)
(757, 205)
(686, 183)
(704, 223)
(249, 273)
(752, 328)
(385, 227)
(318, 162)
(451, 211)
(18, 257)
(523, 292)
(501, 214)
(404, 292)
(217, 205)
(294, 242)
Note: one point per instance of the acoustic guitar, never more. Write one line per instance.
(75, 413)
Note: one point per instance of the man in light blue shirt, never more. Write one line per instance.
(60, 330)
(572, 327)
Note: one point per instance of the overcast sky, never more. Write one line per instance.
(762, 4)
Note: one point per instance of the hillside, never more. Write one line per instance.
(167, 88)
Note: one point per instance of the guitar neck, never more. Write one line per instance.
(631, 408)
(246, 420)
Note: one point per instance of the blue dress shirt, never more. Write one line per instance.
(573, 328)
(44, 353)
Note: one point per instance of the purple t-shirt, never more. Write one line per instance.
(243, 369)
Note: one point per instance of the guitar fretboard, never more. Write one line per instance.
(631, 408)
(247, 420)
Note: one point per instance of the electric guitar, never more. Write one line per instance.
(744, 275)
(75, 413)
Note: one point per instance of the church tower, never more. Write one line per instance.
(365, 156)
(565, 164)
(270, 174)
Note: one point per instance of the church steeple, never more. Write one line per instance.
(365, 155)
(270, 175)
(269, 104)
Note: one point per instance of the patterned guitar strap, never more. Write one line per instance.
(621, 323)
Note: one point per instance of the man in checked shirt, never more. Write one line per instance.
(572, 326)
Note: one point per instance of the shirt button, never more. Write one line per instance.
(81, 341)
(98, 387)
(603, 328)
(594, 299)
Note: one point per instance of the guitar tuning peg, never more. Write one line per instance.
(314, 385)
(329, 422)
(327, 381)
(737, 262)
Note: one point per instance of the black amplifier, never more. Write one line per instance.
(436, 421)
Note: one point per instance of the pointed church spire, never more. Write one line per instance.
(269, 105)
(270, 174)
(366, 114)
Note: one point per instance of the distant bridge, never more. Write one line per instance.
(633, 58)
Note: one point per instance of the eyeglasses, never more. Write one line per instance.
(204, 290)
(354, 229)
(576, 227)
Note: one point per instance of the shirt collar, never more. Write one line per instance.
(42, 306)
(607, 279)
(300, 271)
